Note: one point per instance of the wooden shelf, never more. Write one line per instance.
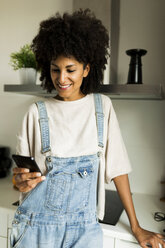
(114, 91)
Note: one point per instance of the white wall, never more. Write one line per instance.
(143, 129)
(19, 24)
(102, 10)
(141, 122)
(141, 25)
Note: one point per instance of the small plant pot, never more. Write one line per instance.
(27, 75)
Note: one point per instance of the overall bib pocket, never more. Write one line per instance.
(69, 192)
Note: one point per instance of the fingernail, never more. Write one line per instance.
(26, 170)
(43, 177)
(38, 174)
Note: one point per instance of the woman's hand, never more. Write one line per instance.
(25, 181)
(149, 239)
(144, 237)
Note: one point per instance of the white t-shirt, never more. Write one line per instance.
(73, 132)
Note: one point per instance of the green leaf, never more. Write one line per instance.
(25, 58)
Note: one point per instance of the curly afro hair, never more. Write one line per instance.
(80, 35)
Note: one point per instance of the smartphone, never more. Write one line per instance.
(26, 162)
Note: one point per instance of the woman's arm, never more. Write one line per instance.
(144, 237)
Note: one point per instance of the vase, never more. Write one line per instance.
(135, 66)
(27, 75)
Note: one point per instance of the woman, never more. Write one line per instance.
(76, 141)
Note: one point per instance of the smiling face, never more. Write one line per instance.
(67, 75)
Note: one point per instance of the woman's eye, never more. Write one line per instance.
(70, 71)
(55, 70)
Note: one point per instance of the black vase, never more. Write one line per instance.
(135, 66)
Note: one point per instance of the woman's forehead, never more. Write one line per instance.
(67, 60)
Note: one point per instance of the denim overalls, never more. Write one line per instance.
(60, 212)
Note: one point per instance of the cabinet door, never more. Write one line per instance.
(10, 219)
(108, 242)
(125, 244)
(8, 237)
(3, 242)
(3, 224)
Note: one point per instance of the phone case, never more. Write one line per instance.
(26, 162)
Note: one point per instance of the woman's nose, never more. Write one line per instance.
(62, 77)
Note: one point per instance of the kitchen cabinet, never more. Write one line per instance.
(3, 242)
(125, 244)
(3, 230)
(8, 238)
(7, 210)
(108, 242)
(9, 226)
(6, 217)
(3, 224)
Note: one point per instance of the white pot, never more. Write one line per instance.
(27, 75)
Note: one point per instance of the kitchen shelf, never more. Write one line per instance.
(114, 91)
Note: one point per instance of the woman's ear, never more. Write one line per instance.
(86, 70)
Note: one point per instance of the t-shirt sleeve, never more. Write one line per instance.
(26, 136)
(116, 158)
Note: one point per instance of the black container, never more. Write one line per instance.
(113, 208)
(135, 66)
(5, 161)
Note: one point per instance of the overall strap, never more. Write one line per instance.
(44, 127)
(99, 119)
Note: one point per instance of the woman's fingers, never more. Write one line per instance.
(17, 170)
(28, 185)
(25, 181)
(21, 177)
(149, 239)
(160, 236)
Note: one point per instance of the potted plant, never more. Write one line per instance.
(25, 62)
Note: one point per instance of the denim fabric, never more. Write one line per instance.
(44, 126)
(60, 212)
(99, 119)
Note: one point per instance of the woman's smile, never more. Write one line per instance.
(64, 87)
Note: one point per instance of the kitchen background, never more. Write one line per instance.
(140, 24)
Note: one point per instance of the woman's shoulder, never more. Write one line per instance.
(33, 107)
(32, 110)
(106, 99)
(106, 102)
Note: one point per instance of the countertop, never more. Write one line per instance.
(145, 206)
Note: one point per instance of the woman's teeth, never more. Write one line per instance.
(64, 86)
